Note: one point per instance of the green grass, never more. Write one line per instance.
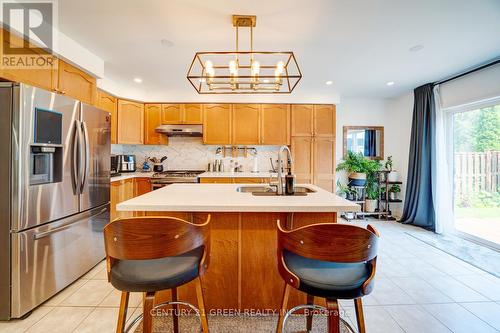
(480, 213)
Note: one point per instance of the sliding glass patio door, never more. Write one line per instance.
(476, 173)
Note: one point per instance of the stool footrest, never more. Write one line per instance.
(313, 307)
(139, 317)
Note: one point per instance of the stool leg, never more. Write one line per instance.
(333, 316)
(310, 301)
(147, 321)
(122, 315)
(284, 304)
(201, 305)
(360, 317)
(175, 316)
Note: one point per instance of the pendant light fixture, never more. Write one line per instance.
(244, 72)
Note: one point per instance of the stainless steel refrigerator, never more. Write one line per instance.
(54, 193)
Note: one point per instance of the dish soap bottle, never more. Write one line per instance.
(289, 183)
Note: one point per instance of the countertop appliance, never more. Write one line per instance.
(126, 163)
(165, 178)
(114, 166)
(54, 202)
(181, 130)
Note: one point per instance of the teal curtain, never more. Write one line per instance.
(419, 208)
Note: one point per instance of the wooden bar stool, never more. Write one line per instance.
(150, 254)
(328, 260)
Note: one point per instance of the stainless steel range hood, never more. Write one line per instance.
(181, 130)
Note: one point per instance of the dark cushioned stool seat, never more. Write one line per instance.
(328, 279)
(156, 274)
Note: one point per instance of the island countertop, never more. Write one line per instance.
(226, 198)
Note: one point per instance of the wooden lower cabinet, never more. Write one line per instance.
(120, 191)
(126, 189)
(142, 186)
(242, 272)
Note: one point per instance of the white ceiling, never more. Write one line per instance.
(358, 44)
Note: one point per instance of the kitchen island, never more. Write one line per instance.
(242, 273)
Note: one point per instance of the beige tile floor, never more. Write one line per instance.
(419, 289)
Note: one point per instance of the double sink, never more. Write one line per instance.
(271, 191)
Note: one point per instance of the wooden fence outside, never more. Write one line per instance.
(476, 172)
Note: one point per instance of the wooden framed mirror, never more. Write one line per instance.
(368, 140)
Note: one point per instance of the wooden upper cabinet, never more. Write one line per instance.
(324, 162)
(302, 120)
(324, 120)
(275, 124)
(130, 122)
(171, 113)
(192, 114)
(302, 154)
(246, 124)
(76, 83)
(109, 103)
(152, 119)
(217, 124)
(43, 78)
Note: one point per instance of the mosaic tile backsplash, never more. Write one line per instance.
(192, 154)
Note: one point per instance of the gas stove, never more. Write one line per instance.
(160, 179)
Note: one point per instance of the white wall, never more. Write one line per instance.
(397, 137)
(395, 115)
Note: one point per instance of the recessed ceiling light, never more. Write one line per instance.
(390, 83)
(416, 48)
(167, 43)
(329, 83)
(137, 80)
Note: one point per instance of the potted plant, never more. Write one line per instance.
(392, 176)
(354, 164)
(393, 191)
(372, 189)
(372, 193)
(382, 193)
(342, 189)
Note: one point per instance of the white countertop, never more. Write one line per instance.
(138, 174)
(260, 174)
(128, 175)
(225, 198)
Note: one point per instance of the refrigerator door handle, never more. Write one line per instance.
(77, 173)
(86, 169)
(65, 226)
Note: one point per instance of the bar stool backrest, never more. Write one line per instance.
(142, 238)
(334, 242)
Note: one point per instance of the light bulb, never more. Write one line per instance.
(277, 74)
(209, 64)
(280, 66)
(255, 67)
(233, 69)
